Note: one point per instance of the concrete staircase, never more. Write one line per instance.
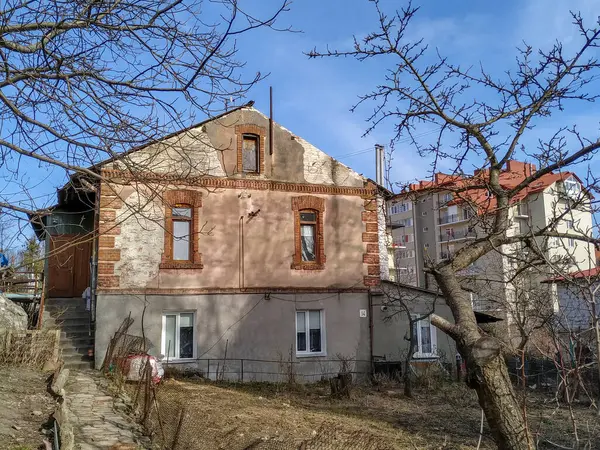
(76, 337)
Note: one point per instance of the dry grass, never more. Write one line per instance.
(270, 416)
(30, 348)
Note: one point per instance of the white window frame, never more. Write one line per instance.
(163, 338)
(571, 242)
(572, 187)
(570, 224)
(307, 352)
(419, 345)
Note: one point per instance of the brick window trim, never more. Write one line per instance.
(182, 197)
(240, 131)
(317, 204)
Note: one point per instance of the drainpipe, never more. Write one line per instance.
(94, 258)
(370, 297)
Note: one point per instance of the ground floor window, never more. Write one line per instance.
(310, 332)
(425, 337)
(178, 335)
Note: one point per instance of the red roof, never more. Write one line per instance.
(590, 273)
(511, 177)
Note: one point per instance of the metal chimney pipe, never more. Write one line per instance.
(379, 164)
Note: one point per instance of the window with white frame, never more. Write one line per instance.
(572, 187)
(570, 225)
(178, 335)
(571, 242)
(310, 332)
(400, 208)
(425, 337)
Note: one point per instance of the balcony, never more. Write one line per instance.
(457, 235)
(454, 218)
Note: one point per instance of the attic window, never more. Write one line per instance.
(250, 153)
(250, 149)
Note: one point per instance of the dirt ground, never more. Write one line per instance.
(25, 408)
(263, 416)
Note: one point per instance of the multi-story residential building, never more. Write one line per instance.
(430, 221)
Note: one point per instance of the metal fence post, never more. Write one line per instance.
(242, 369)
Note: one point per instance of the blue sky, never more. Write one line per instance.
(313, 97)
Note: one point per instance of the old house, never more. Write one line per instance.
(233, 238)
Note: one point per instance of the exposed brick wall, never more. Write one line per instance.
(317, 204)
(240, 130)
(194, 200)
(237, 183)
(108, 228)
(370, 238)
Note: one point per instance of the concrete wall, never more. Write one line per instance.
(252, 326)
(391, 327)
(573, 311)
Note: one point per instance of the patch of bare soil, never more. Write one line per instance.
(274, 417)
(25, 408)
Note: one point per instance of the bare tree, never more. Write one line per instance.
(422, 88)
(84, 81)
(411, 307)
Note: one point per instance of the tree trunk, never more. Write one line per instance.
(596, 323)
(497, 398)
(486, 369)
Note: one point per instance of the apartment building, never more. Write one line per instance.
(429, 221)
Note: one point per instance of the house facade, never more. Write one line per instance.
(224, 242)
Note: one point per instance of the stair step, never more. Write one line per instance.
(68, 314)
(68, 323)
(75, 335)
(77, 358)
(79, 365)
(68, 350)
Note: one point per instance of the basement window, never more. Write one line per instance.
(178, 335)
(425, 337)
(310, 333)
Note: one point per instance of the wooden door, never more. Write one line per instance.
(68, 266)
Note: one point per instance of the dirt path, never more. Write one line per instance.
(25, 409)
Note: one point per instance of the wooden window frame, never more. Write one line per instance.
(190, 199)
(316, 204)
(253, 130)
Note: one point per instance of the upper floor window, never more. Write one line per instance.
(182, 229)
(400, 207)
(447, 197)
(250, 153)
(572, 187)
(181, 249)
(308, 232)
